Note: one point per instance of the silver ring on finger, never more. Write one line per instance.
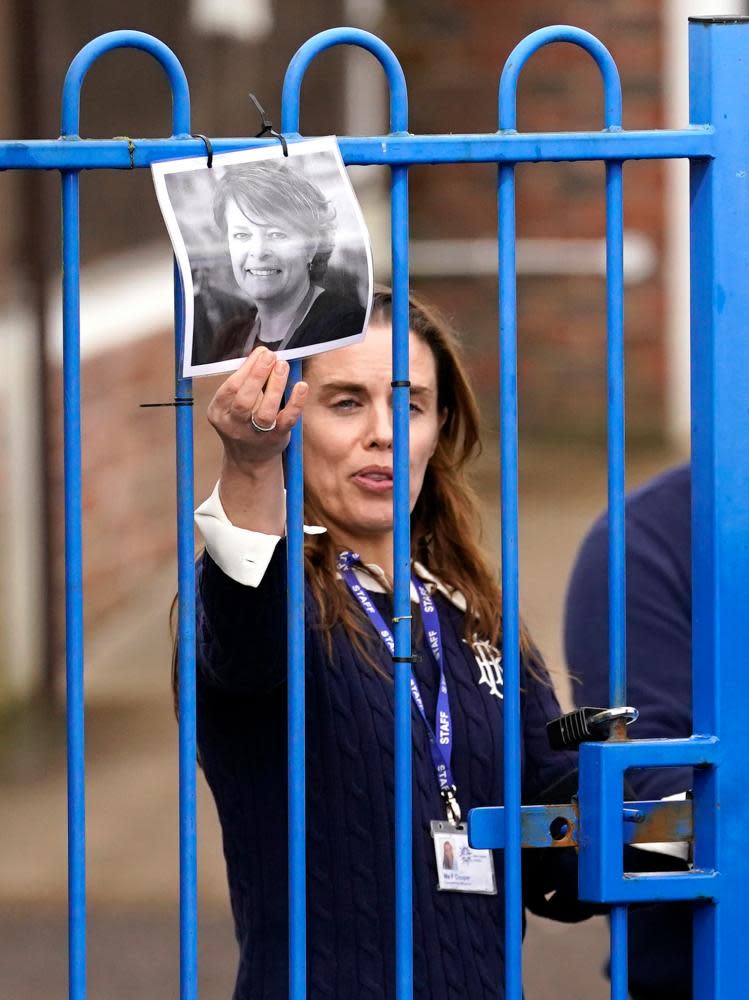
(259, 427)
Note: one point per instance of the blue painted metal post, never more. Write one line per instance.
(719, 84)
(74, 588)
(297, 770)
(616, 484)
(510, 593)
(402, 595)
(509, 474)
(402, 549)
(71, 98)
(188, 862)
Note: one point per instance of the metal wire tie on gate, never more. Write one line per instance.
(130, 148)
(177, 401)
(267, 124)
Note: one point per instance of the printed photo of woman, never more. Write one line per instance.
(273, 252)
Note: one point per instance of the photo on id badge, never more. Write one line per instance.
(271, 250)
(461, 868)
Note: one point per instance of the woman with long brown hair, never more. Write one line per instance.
(457, 676)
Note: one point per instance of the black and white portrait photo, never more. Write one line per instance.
(272, 250)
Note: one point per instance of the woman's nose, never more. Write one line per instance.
(380, 430)
(257, 247)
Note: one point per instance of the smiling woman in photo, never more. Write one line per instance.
(280, 230)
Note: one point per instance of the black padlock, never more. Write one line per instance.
(586, 725)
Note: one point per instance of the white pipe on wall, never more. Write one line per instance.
(675, 20)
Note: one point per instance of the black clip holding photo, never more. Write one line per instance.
(208, 147)
(267, 124)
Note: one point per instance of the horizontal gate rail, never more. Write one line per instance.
(72, 153)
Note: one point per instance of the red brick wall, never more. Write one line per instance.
(452, 55)
(128, 468)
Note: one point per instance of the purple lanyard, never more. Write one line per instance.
(441, 742)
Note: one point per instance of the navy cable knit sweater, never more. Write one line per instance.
(458, 938)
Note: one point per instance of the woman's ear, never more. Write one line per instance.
(442, 417)
(312, 247)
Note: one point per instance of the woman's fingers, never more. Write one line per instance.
(293, 409)
(241, 389)
(267, 406)
(245, 394)
(237, 379)
(255, 393)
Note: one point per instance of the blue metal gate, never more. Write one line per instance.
(717, 144)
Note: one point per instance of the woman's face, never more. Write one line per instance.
(348, 432)
(270, 262)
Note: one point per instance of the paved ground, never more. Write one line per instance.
(132, 790)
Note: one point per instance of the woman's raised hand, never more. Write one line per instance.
(251, 486)
(252, 398)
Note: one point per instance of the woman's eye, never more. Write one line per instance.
(415, 408)
(345, 404)
(240, 236)
(277, 234)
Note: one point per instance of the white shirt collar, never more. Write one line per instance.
(372, 576)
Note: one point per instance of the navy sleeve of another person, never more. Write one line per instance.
(659, 610)
(659, 649)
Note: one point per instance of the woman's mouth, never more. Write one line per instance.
(374, 479)
(262, 272)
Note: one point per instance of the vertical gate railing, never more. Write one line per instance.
(509, 468)
(717, 143)
(71, 99)
(402, 545)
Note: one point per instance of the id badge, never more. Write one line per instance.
(461, 868)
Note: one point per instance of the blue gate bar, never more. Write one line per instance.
(385, 150)
(402, 548)
(719, 94)
(616, 478)
(74, 589)
(615, 383)
(82, 63)
(71, 95)
(188, 863)
(616, 528)
(510, 597)
(402, 595)
(297, 770)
